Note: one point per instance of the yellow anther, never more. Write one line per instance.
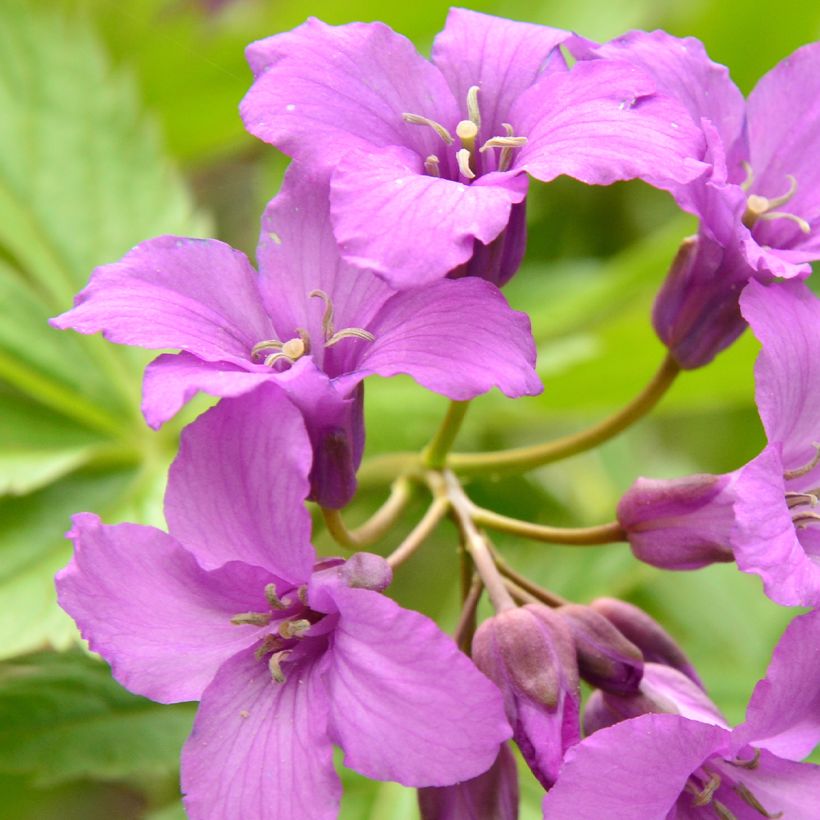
(350, 333)
(327, 316)
(463, 159)
(416, 119)
(251, 619)
(268, 344)
(273, 599)
(750, 176)
(275, 665)
(294, 629)
(749, 798)
(799, 221)
(705, 795)
(799, 472)
(761, 207)
(473, 112)
(431, 165)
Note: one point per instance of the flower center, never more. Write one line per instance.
(705, 785)
(762, 208)
(292, 350)
(801, 503)
(468, 156)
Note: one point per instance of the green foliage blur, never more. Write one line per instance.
(118, 122)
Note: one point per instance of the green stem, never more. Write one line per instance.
(378, 525)
(570, 536)
(465, 630)
(527, 458)
(434, 454)
(420, 533)
(524, 583)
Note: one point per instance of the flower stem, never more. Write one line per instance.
(465, 630)
(476, 545)
(434, 454)
(526, 458)
(523, 583)
(377, 525)
(420, 533)
(570, 536)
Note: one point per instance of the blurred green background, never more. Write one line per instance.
(118, 121)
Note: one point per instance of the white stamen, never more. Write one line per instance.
(463, 159)
(416, 119)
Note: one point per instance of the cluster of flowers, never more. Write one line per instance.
(402, 215)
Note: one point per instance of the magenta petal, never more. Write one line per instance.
(160, 620)
(259, 749)
(406, 705)
(764, 538)
(490, 796)
(785, 317)
(634, 770)
(237, 488)
(323, 91)
(602, 122)
(502, 57)
(194, 294)
(459, 338)
(783, 715)
(409, 227)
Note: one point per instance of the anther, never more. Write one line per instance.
(273, 599)
(269, 644)
(350, 333)
(746, 764)
(802, 519)
(294, 629)
(473, 112)
(761, 207)
(463, 159)
(705, 795)
(415, 119)
(751, 800)
(252, 619)
(275, 665)
(750, 176)
(799, 499)
(723, 812)
(268, 344)
(798, 472)
(784, 198)
(798, 220)
(503, 142)
(432, 166)
(327, 316)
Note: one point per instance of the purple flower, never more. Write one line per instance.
(674, 766)
(286, 655)
(759, 208)
(529, 653)
(308, 322)
(764, 513)
(430, 158)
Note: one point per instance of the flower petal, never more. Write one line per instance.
(237, 488)
(783, 715)
(160, 620)
(785, 317)
(502, 57)
(411, 228)
(633, 770)
(455, 337)
(259, 749)
(406, 705)
(323, 91)
(783, 111)
(602, 122)
(194, 294)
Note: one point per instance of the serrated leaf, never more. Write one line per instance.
(62, 717)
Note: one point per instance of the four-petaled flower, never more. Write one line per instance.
(286, 655)
(308, 322)
(430, 158)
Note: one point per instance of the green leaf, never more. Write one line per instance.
(62, 717)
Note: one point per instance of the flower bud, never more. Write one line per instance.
(529, 654)
(490, 796)
(662, 689)
(656, 644)
(364, 570)
(606, 658)
(681, 523)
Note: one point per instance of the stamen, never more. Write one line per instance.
(273, 599)
(803, 519)
(798, 472)
(275, 665)
(268, 344)
(431, 165)
(271, 360)
(350, 333)
(784, 198)
(302, 593)
(463, 159)
(799, 499)
(503, 142)
(294, 629)
(252, 619)
(467, 131)
(750, 176)
(749, 798)
(746, 764)
(505, 157)
(473, 112)
(799, 221)
(327, 317)
(704, 797)
(270, 643)
(415, 119)
(723, 812)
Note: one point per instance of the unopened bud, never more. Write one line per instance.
(528, 652)
(364, 570)
(656, 644)
(682, 523)
(606, 658)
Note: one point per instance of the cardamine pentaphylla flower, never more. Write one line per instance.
(430, 158)
(308, 322)
(692, 765)
(759, 208)
(764, 514)
(530, 655)
(287, 656)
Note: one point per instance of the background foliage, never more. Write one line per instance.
(119, 123)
